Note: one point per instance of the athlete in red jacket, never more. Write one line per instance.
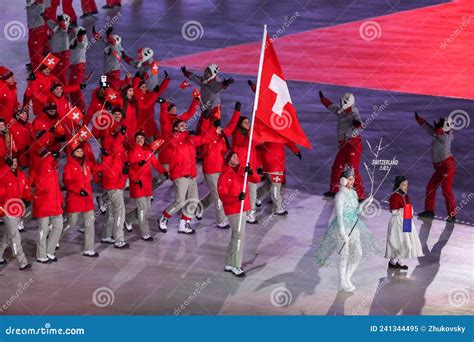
(22, 134)
(141, 160)
(129, 112)
(79, 201)
(183, 173)
(114, 168)
(230, 186)
(8, 96)
(47, 204)
(168, 114)
(273, 159)
(240, 144)
(39, 89)
(47, 129)
(13, 190)
(146, 105)
(213, 160)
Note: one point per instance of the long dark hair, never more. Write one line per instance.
(245, 132)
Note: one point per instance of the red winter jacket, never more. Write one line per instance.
(77, 176)
(142, 173)
(166, 122)
(43, 123)
(213, 153)
(47, 197)
(8, 101)
(183, 158)
(22, 134)
(39, 91)
(398, 201)
(4, 149)
(240, 144)
(13, 188)
(272, 155)
(112, 165)
(229, 186)
(130, 120)
(96, 104)
(146, 107)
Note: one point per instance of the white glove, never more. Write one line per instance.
(344, 236)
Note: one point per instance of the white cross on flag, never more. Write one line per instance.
(75, 115)
(275, 117)
(154, 68)
(50, 61)
(83, 134)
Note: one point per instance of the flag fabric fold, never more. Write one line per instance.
(275, 118)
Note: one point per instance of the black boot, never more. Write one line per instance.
(451, 219)
(427, 214)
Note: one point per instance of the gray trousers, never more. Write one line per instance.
(88, 218)
(275, 193)
(187, 197)
(211, 180)
(253, 195)
(112, 225)
(236, 246)
(143, 204)
(46, 244)
(11, 236)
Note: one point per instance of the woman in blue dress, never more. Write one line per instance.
(360, 243)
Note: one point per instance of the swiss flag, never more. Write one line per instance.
(113, 97)
(83, 134)
(50, 61)
(156, 144)
(275, 118)
(154, 68)
(75, 115)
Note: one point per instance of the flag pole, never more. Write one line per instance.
(255, 103)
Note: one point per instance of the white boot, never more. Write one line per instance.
(127, 226)
(21, 226)
(185, 227)
(343, 285)
(251, 217)
(224, 224)
(350, 271)
(163, 224)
